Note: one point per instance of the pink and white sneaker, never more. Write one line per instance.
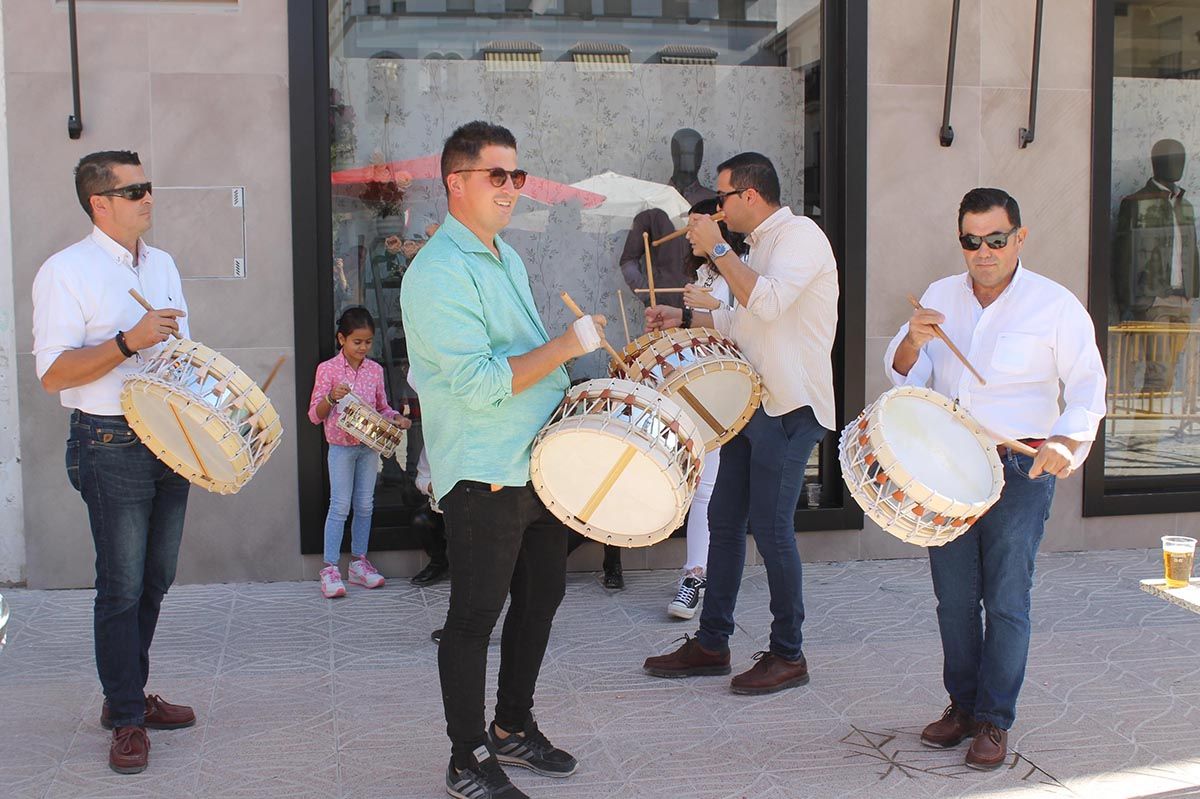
(362, 573)
(331, 582)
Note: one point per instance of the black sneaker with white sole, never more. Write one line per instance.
(483, 779)
(532, 750)
(687, 599)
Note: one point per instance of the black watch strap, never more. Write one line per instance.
(687, 317)
(122, 346)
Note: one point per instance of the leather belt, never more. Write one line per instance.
(1003, 451)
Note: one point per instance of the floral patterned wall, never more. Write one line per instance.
(569, 125)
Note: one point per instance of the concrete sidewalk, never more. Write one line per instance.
(300, 696)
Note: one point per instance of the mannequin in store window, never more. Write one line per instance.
(1156, 264)
(670, 259)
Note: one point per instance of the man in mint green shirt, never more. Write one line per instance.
(490, 377)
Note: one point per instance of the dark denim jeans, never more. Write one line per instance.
(991, 563)
(501, 543)
(136, 506)
(758, 486)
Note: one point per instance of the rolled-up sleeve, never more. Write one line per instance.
(444, 319)
(322, 385)
(1082, 373)
(921, 372)
(58, 320)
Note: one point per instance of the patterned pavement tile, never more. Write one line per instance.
(300, 696)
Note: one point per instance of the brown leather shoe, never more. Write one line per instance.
(770, 674)
(689, 660)
(989, 750)
(129, 752)
(160, 715)
(955, 726)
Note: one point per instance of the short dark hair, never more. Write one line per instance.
(93, 174)
(464, 145)
(753, 171)
(354, 318)
(980, 201)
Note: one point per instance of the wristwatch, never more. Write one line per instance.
(721, 249)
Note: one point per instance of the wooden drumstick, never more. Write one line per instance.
(649, 267)
(672, 291)
(946, 339)
(274, 371)
(579, 314)
(717, 217)
(1024, 449)
(624, 318)
(142, 301)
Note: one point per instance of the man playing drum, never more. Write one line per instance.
(87, 330)
(784, 321)
(490, 377)
(1025, 334)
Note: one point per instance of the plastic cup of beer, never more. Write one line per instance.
(1179, 552)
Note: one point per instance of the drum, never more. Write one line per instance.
(618, 462)
(920, 466)
(705, 373)
(201, 415)
(368, 426)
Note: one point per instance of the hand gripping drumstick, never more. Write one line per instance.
(579, 314)
(142, 302)
(1024, 449)
(946, 339)
(717, 217)
(649, 267)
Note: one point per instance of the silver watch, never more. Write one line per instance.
(721, 249)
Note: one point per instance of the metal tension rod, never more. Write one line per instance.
(1026, 135)
(75, 121)
(946, 134)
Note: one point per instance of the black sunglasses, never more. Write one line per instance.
(498, 176)
(994, 241)
(134, 191)
(721, 195)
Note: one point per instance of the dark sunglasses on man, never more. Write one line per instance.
(499, 176)
(722, 196)
(994, 241)
(133, 192)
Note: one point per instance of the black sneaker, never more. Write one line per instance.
(484, 779)
(687, 599)
(614, 578)
(532, 750)
(434, 572)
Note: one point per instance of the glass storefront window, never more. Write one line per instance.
(621, 109)
(1153, 427)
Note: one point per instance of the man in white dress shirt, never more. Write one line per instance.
(88, 332)
(1025, 334)
(784, 322)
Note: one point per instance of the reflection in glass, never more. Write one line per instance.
(621, 111)
(1153, 426)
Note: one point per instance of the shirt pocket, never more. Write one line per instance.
(1022, 355)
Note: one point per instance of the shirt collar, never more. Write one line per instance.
(118, 253)
(770, 223)
(465, 239)
(1174, 194)
(969, 287)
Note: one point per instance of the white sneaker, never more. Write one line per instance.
(687, 599)
(362, 573)
(331, 583)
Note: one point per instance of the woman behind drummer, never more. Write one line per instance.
(706, 291)
(352, 466)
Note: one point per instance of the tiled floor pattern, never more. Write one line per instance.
(302, 697)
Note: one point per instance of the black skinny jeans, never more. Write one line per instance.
(500, 543)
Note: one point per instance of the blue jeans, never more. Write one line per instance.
(991, 563)
(136, 507)
(758, 486)
(352, 473)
